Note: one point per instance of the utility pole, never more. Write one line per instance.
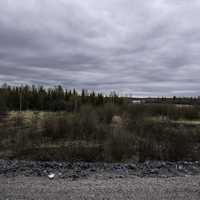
(20, 101)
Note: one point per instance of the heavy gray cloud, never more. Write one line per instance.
(143, 48)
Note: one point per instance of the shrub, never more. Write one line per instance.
(107, 111)
(120, 145)
(70, 153)
(88, 122)
(54, 125)
(116, 134)
(180, 144)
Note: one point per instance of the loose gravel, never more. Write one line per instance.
(151, 180)
(12, 168)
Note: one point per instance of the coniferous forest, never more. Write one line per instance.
(52, 99)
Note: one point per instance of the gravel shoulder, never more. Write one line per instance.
(77, 170)
(176, 188)
(151, 180)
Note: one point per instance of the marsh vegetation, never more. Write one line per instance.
(109, 132)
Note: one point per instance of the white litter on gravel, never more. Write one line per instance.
(51, 176)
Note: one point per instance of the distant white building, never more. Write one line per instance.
(136, 101)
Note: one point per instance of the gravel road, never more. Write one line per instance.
(151, 180)
(174, 188)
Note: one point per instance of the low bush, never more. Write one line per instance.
(70, 153)
(119, 145)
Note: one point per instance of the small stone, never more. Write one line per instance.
(93, 170)
(154, 171)
(132, 166)
(180, 167)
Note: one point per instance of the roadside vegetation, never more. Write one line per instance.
(98, 128)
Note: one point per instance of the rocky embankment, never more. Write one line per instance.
(79, 170)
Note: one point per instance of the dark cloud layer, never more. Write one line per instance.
(143, 48)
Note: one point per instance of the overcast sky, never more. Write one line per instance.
(138, 47)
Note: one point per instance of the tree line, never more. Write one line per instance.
(174, 100)
(51, 99)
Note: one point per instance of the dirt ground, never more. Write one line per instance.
(41, 188)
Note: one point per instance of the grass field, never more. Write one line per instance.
(164, 119)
